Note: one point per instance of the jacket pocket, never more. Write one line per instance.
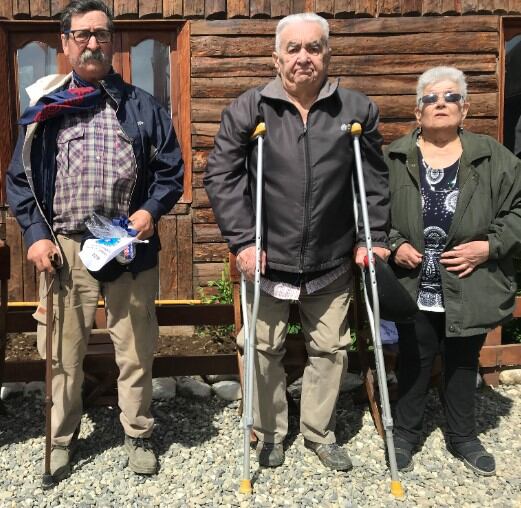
(70, 153)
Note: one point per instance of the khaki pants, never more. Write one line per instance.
(326, 331)
(133, 327)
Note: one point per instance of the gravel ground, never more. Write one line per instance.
(199, 443)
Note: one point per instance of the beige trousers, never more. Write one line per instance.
(326, 331)
(132, 323)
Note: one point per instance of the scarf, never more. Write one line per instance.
(82, 97)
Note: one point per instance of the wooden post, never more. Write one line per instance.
(4, 277)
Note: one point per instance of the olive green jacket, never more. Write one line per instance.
(488, 208)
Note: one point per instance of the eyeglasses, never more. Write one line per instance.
(432, 98)
(83, 36)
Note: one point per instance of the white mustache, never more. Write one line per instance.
(92, 55)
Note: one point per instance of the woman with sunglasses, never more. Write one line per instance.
(455, 226)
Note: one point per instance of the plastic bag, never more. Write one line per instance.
(114, 238)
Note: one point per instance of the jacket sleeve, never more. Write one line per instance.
(165, 165)
(22, 200)
(396, 238)
(504, 233)
(226, 178)
(376, 179)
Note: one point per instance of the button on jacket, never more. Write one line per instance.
(308, 222)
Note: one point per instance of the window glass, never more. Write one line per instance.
(512, 110)
(150, 64)
(35, 60)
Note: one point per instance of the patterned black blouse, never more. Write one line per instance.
(439, 195)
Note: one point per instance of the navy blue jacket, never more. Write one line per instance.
(159, 176)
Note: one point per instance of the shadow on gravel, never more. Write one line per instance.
(349, 419)
(490, 407)
(24, 419)
(189, 423)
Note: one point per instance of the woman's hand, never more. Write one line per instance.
(406, 256)
(465, 257)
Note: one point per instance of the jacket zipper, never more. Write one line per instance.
(307, 195)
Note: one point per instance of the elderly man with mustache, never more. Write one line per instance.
(93, 143)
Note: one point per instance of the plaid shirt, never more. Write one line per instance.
(96, 169)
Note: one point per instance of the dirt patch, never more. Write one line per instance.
(22, 346)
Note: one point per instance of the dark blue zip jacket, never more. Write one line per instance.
(159, 176)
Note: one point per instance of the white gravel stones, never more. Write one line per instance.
(227, 390)
(199, 442)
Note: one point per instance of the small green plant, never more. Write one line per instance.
(223, 286)
(294, 328)
(223, 294)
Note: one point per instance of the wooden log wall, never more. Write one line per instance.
(380, 57)
(237, 9)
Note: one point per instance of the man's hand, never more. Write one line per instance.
(465, 257)
(407, 256)
(143, 222)
(361, 253)
(42, 253)
(246, 262)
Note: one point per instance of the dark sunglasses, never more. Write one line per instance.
(432, 98)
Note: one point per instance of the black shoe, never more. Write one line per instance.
(474, 456)
(331, 455)
(403, 451)
(270, 454)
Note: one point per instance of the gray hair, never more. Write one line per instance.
(436, 74)
(308, 17)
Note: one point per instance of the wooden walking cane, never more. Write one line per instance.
(48, 480)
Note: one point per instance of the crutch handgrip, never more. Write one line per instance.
(260, 130)
(356, 129)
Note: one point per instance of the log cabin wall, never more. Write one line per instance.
(379, 47)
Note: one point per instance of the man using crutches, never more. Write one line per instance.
(308, 226)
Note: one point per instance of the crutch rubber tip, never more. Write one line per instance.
(245, 487)
(356, 129)
(397, 489)
(47, 481)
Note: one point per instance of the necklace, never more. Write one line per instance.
(434, 176)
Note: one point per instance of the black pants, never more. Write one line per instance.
(419, 343)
